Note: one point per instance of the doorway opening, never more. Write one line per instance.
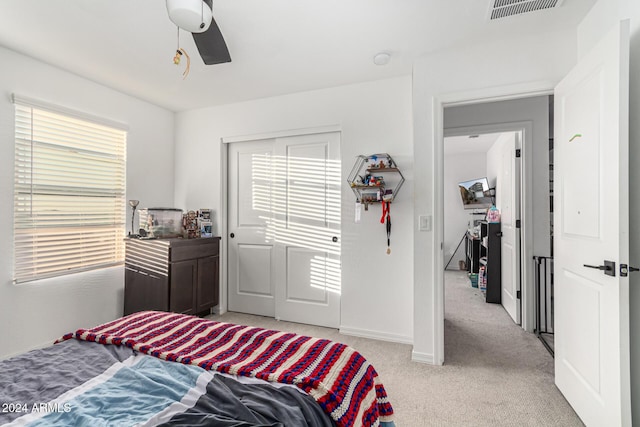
(516, 132)
(482, 187)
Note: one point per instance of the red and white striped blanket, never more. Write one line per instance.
(341, 380)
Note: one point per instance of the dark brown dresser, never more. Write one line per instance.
(179, 275)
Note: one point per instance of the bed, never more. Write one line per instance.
(168, 369)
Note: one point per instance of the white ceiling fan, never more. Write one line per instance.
(196, 16)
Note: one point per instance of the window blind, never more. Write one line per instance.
(69, 194)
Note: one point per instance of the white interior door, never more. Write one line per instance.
(508, 200)
(592, 225)
(251, 257)
(307, 229)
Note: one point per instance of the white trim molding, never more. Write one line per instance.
(282, 134)
(224, 232)
(43, 105)
(427, 358)
(439, 102)
(381, 336)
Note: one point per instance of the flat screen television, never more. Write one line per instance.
(476, 194)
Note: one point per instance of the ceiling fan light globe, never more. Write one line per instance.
(190, 15)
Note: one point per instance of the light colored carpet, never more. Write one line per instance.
(495, 374)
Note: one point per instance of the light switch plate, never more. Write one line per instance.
(424, 222)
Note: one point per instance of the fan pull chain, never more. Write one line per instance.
(176, 58)
(179, 52)
(202, 14)
(186, 69)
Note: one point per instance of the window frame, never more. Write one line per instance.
(46, 213)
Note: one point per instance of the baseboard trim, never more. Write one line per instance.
(422, 357)
(375, 335)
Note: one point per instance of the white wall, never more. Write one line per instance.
(457, 168)
(36, 313)
(374, 117)
(602, 17)
(498, 68)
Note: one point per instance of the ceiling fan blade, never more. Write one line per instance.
(212, 46)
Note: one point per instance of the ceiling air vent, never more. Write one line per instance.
(504, 8)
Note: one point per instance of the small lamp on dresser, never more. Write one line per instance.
(134, 205)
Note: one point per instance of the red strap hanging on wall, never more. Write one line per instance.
(385, 210)
(386, 215)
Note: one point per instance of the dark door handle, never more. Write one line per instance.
(232, 235)
(609, 268)
(334, 239)
(598, 267)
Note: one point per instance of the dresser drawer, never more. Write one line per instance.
(185, 252)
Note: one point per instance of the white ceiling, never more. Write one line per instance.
(277, 46)
(463, 144)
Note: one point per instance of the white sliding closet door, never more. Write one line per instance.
(307, 227)
(251, 277)
(284, 228)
